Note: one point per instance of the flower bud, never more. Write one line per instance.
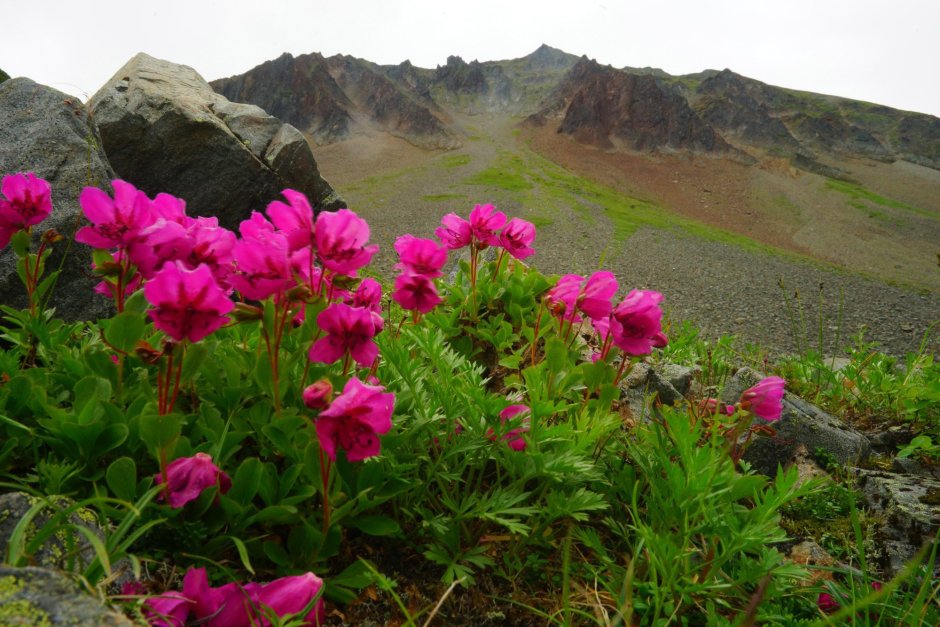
(318, 395)
(51, 237)
(298, 293)
(244, 312)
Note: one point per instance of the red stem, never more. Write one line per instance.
(325, 466)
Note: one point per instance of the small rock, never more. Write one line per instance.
(810, 554)
(45, 598)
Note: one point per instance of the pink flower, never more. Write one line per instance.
(107, 288)
(187, 477)
(114, 222)
(341, 238)
(826, 603)
(420, 256)
(157, 244)
(188, 304)
(635, 322)
(170, 208)
(291, 594)
(563, 298)
(368, 296)
(454, 232)
(262, 264)
(354, 421)
(764, 399)
(516, 238)
(295, 220)
(170, 609)
(514, 438)
(349, 331)
(485, 221)
(212, 245)
(416, 292)
(28, 202)
(714, 406)
(594, 297)
(318, 395)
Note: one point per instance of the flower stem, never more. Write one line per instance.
(325, 466)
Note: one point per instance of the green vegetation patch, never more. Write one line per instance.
(857, 194)
(437, 197)
(455, 161)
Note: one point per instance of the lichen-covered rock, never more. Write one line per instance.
(45, 598)
(63, 547)
(800, 423)
(50, 133)
(910, 509)
(166, 130)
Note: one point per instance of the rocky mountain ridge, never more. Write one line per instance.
(715, 113)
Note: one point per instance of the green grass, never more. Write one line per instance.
(857, 194)
(437, 197)
(455, 161)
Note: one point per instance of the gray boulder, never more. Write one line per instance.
(165, 130)
(45, 131)
(800, 423)
(45, 598)
(910, 513)
(63, 546)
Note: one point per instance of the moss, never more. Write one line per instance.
(455, 161)
(19, 611)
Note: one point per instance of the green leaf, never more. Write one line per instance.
(242, 553)
(246, 481)
(276, 553)
(125, 330)
(136, 303)
(376, 525)
(160, 431)
(20, 243)
(122, 478)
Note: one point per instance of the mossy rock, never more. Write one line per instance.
(63, 546)
(46, 598)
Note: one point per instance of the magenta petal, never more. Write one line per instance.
(326, 351)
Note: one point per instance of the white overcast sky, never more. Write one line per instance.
(883, 51)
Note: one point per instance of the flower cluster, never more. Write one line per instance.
(28, 202)
(236, 605)
(420, 263)
(634, 325)
(487, 227)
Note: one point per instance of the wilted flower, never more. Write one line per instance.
(318, 395)
(341, 239)
(764, 399)
(454, 232)
(636, 322)
(517, 237)
(187, 477)
(416, 292)
(188, 304)
(349, 331)
(28, 202)
(354, 421)
(420, 256)
(714, 406)
(115, 222)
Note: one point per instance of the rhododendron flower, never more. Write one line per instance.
(341, 238)
(420, 256)
(170, 208)
(354, 421)
(294, 219)
(516, 238)
(827, 603)
(416, 292)
(454, 232)
(635, 322)
(485, 221)
(368, 296)
(115, 222)
(262, 265)
(318, 395)
(594, 297)
(170, 609)
(764, 399)
(187, 477)
(28, 202)
(563, 297)
(514, 438)
(212, 245)
(157, 244)
(349, 331)
(188, 304)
